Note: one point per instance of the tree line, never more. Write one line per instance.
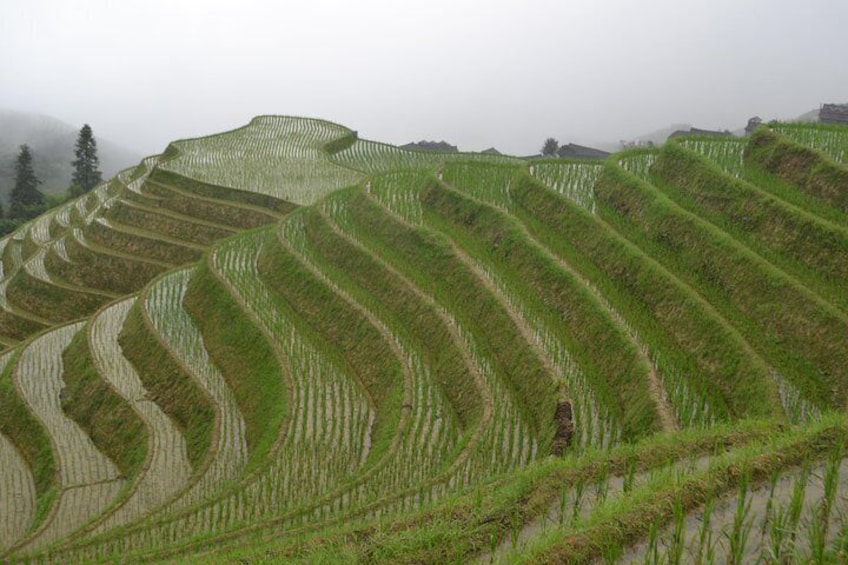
(27, 202)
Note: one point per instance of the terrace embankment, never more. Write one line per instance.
(246, 360)
(168, 384)
(812, 249)
(794, 329)
(804, 167)
(620, 380)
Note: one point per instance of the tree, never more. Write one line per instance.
(550, 147)
(86, 174)
(26, 200)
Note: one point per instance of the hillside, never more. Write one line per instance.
(52, 143)
(286, 343)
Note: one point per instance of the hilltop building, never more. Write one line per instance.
(834, 114)
(700, 132)
(574, 151)
(433, 146)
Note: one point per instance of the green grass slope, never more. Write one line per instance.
(295, 345)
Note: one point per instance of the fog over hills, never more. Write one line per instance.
(52, 143)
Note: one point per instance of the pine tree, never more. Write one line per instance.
(86, 174)
(26, 200)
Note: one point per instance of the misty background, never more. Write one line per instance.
(477, 74)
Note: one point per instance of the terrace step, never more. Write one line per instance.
(773, 309)
(88, 481)
(167, 469)
(89, 268)
(146, 244)
(176, 226)
(17, 495)
(227, 212)
(680, 321)
(178, 332)
(805, 246)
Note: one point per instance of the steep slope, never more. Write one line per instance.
(284, 342)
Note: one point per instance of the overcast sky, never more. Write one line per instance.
(475, 73)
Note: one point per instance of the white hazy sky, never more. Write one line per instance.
(475, 73)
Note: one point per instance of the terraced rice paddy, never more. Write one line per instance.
(285, 343)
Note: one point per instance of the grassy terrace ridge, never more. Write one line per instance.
(28, 435)
(687, 335)
(168, 384)
(413, 313)
(428, 260)
(245, 358)
(222, 212)
(284, 343)
(806, 246)
(796, 329)
(89, 268)
(107, 418)
(341, 332)
(173, 225)
(620, 378)
(55, 300)
(141, 243)
(807, 168)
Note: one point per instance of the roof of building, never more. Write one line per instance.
(581, 152)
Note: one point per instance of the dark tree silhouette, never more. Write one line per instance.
(550, 147)
(26, 201)
(86, 173)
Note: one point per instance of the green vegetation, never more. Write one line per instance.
(106, 417)
(168, 385)
(89, 268)
(801, 243)
(795, 329)
(246, 359)
(26, 201)
(802, 166)
(346, 334)
(29, 436)
(711, 359)
(339, 349)
(610, 363)
(413, 313)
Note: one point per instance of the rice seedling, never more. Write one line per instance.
(281, 157)
(724, 152)
(167, 470)
(573, 180)
(742, 526)
(829, 139)
(638, 163)
(88, 480)
(17, 488)
(164, 307)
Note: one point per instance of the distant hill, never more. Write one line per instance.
(52, 143)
